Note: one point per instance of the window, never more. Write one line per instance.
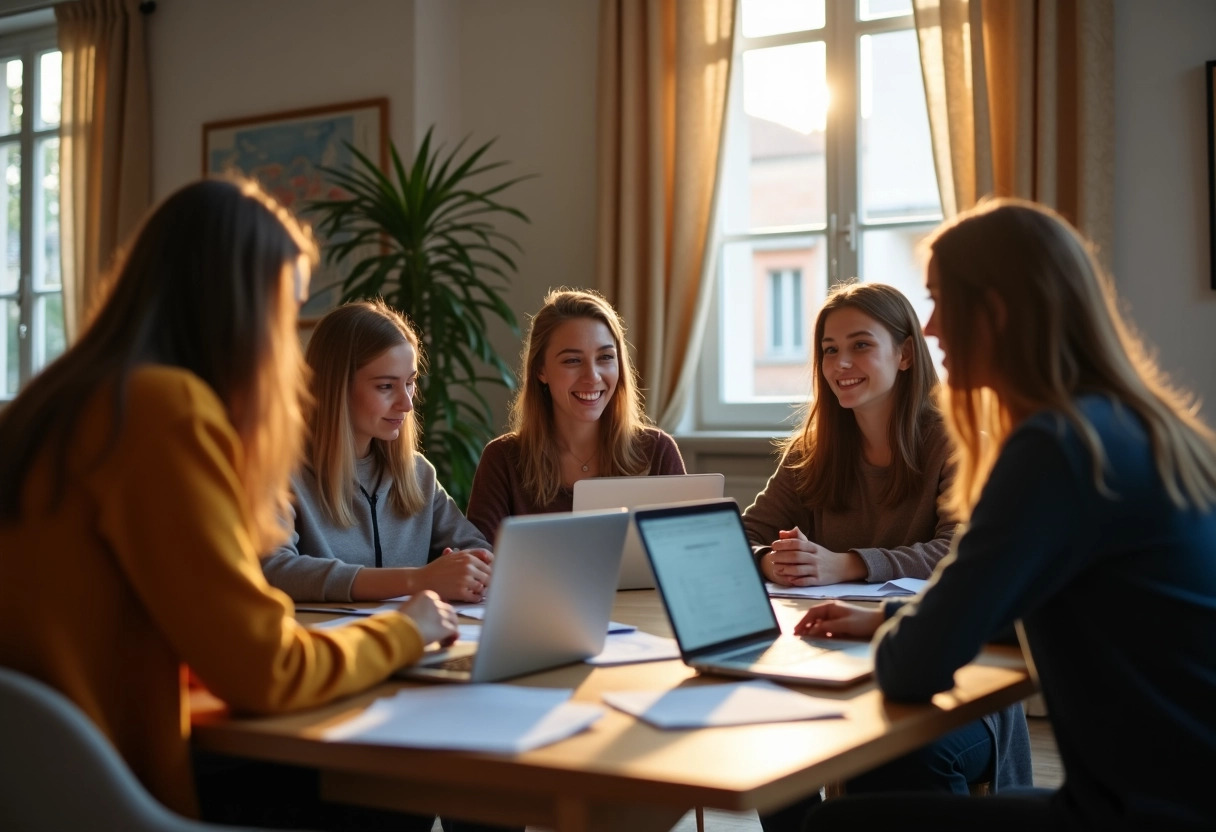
(31, 294)
(785, 313)
(827, 174)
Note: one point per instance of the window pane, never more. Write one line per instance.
(897, 173)
(46, 216)
(10, 219)
(775, 173)
(50, 88)
(10, 349)
(49, 340)
(772, 17)
(890, 256)
(10, 114)
(875, 9)
(758, 289)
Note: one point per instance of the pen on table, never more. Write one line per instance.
(329, 609)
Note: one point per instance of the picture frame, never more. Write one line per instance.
(285, 150)
(1210, 84)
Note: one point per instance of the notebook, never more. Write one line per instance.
(719, 609)
(549, 602)
(632, 492)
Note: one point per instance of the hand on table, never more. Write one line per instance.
(435, 620)
(836, 618)
(458, 575)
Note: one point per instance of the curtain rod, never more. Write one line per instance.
(11, 7)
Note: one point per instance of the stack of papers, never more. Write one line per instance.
(737, 703)
(850, 591)
(507, 719)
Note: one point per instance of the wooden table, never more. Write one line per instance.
(622, 773)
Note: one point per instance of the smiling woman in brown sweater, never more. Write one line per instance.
(858, 496)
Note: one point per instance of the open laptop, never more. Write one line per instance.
(718, 607)
(549, 602)
(632, 492)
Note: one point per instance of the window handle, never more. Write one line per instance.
(850, 232)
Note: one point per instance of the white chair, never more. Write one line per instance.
(58, 772)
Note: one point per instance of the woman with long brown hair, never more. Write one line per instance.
(578, 414)
(144, 472)
(858, 495)
(371, 519)
(1088, 485)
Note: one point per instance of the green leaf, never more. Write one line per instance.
(429, 236)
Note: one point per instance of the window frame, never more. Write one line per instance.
(842, 232)
(29, 45)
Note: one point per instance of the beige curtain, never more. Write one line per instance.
(1021, 103)
(105, 152)
(664, 68)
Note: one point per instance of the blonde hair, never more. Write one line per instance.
(345, 340)
(622, 423)
(208, 284)
(1022, 272)
(827, 450)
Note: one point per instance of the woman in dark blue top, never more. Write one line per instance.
(1090, 486)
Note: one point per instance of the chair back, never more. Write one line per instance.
(57, 770)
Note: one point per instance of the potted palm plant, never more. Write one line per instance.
(424, 238)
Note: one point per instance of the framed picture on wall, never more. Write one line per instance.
(1211, 88)
(285, 151)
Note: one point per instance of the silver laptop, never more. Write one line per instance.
(632, 492)
(549, 603)
(719, 610)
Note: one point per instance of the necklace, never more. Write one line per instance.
(585, 463)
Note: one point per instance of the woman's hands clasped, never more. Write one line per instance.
(459, 575)
(796, 561)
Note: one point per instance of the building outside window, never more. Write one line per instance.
(828, 175)
(31, 291)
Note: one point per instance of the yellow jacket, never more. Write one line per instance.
(146, 565)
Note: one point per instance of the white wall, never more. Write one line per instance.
(524, 71)
(1161, 255)
(528, 77)
(218, 59)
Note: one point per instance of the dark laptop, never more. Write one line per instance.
(719, 610)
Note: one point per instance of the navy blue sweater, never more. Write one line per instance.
(1117, 596)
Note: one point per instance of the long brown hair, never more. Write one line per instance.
(827, 450)
(1020, 273)
(623, 421)
(345, 340)
(209, 284)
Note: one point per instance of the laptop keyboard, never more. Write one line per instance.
(458, 663)
(790, 651)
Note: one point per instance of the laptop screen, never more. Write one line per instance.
(704, 568)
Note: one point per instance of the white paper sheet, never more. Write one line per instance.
(851, 591)
(485, 717)
(466, 632)
(733, 703)
(478, 611)
(636, 646)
